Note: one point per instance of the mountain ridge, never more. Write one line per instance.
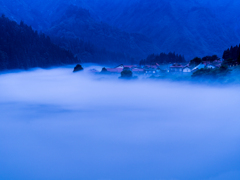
(191, 28)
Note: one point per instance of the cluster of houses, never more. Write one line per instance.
(159, 69)
(148, 69)
(188, 69)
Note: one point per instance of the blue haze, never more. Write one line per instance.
(192, 28)
(59, 125)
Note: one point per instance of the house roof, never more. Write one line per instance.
(177, 66)
(150, 69)
(200, 66)
(120, 66)
(130, 66)
(114, 70)
(151, 66)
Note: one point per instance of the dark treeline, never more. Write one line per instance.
(21, 48)
(196, 61)
(163, 58)
(232, 55)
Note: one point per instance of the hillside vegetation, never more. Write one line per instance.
(21, 48)
(193, 28)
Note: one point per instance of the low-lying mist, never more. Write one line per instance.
(56, 124)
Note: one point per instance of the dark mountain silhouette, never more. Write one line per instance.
(21, 48)
(77, 23)
(231, 56)
(193, 28)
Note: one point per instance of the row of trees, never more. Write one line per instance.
(216, 74)
(163, 58)
(21, 48)
(196, 61)
(232, 55)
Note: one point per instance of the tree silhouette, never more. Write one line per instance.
(21, 48)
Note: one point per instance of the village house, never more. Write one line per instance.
(152, 66)
(186, 69)
(216, 63)
(130, 66)
(121, 67)
(114, 70)
(209, 65)
(138, 70)
(150, 71)
(206, 62)
(176, 68)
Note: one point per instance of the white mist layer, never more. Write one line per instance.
(56, 124)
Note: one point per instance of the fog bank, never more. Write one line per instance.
(56, 124)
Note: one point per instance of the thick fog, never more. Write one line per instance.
(56, 124)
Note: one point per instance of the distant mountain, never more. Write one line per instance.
(21, 48)
(189, 27)
(192, 28)
(77, 23)
(73, 27)
(18, 10)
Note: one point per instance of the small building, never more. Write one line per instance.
(114, 70)
(210, 66)
(150, 71)
(130, 66)
(152, 66)
(121, 66)
(138, 70)
(217, 63)
(186, 70)
(176, 68)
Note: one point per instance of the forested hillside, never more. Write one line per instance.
(77, 23)
(163, 58)
(231, 56)
(21, 48)
(232, 53)
(192, 28)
